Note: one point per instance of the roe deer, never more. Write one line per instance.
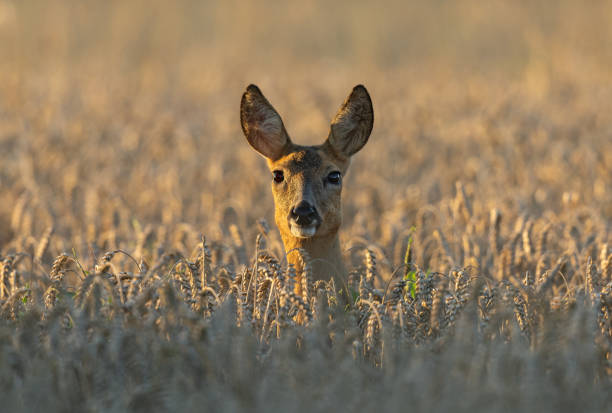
(307, 180)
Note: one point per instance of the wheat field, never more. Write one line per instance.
(140, 267)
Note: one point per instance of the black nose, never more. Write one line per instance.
(304, 213)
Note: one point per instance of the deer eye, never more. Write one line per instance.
(278, 176)
(334, 177)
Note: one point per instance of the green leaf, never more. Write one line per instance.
(355, 295)
(411, 278)
(136, 225)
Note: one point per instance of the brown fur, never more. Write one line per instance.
(305, 169)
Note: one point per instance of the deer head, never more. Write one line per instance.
(307, 180)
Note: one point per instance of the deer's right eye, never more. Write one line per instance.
(278, 176)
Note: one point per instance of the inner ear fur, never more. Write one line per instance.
(262, 125)
(352, 125)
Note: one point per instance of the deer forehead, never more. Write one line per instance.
(308, 160)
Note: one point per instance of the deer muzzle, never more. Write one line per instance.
(304, 220)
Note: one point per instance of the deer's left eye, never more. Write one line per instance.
(334, 177)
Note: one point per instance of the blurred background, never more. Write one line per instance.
(189, 38)
(122, 113)
(186, 42)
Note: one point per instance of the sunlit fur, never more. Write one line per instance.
(305, 169)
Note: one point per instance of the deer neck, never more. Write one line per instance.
(325, 256)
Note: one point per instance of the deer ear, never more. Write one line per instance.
(262, 125)
(353, 123)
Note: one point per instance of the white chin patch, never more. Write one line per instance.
(302, 232)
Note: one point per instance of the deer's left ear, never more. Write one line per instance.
(353, 123)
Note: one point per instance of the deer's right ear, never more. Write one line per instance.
(262, 125)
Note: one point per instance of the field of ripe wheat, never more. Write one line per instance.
(140, 266)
